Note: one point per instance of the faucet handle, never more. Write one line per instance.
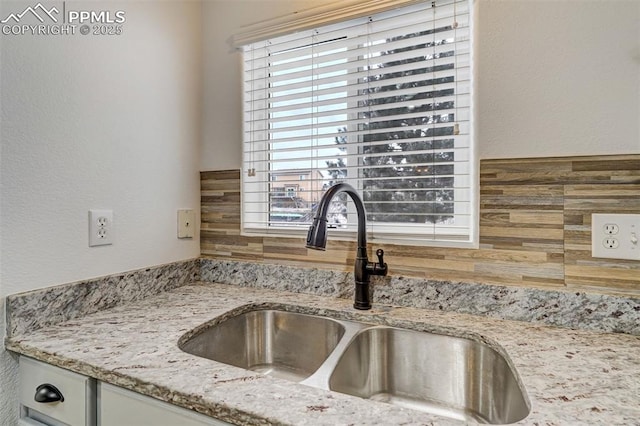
(380, 268)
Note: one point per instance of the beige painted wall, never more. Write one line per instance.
(108, 122)
(554, 78)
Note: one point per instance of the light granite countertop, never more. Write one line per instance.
(571, 376)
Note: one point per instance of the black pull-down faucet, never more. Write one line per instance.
(317, 240)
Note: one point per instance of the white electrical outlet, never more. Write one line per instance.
(100, 227)
(186, 223)
(615, 236)
(611, 228)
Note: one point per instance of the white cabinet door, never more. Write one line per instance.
(121, 407)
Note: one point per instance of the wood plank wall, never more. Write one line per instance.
(535, 228)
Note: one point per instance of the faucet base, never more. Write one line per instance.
(362, 300)
(362, 307)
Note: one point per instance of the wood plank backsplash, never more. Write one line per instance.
(535, 228)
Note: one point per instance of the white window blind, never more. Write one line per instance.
(382, 102)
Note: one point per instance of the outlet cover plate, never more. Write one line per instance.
(100, 227)
(615, 236)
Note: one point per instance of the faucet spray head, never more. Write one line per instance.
(317, 235)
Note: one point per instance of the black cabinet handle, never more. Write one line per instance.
(47, 393)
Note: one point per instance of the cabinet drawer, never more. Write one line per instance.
(78, 407)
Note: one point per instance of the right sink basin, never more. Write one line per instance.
(450, 376)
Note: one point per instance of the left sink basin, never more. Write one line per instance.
(283, 344)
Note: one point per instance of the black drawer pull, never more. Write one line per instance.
(47, 393)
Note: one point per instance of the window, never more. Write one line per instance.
(382, 102)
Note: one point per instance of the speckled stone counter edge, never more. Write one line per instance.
(578, 310)
(40, 308)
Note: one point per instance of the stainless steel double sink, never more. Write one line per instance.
(445, 375)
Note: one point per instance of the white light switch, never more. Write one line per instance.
(186, 223)
(615, 236)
